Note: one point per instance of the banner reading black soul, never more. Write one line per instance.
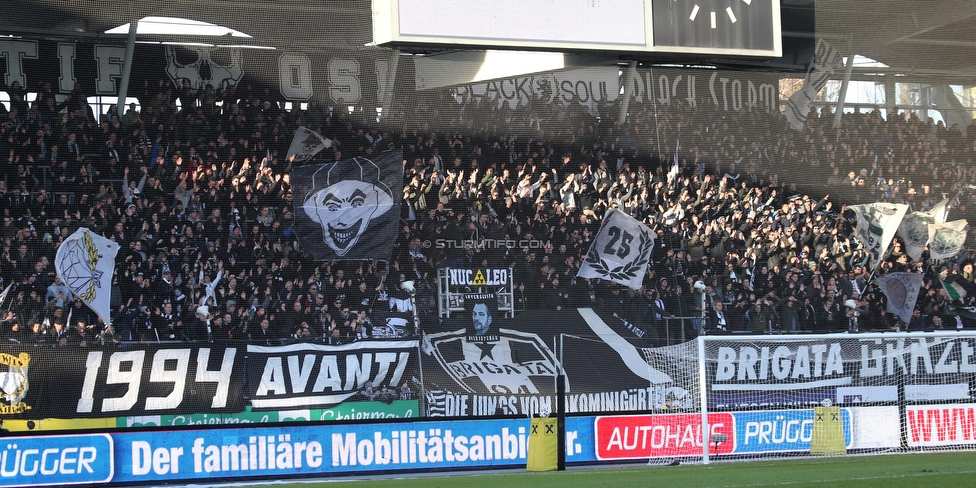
(349, 209)
(608, 368)
(784, 372)
(137, 380)
(317, 376)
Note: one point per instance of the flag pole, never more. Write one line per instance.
(875, 268)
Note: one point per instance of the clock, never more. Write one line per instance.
(746, 27)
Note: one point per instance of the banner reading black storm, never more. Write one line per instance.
(720, 90)
(137, 380)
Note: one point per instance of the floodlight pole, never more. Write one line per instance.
(130, 47)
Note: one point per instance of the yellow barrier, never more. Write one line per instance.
(543, 445)
(828, 432)
(59, 424)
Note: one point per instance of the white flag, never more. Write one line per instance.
(826, 59)
(876, 226)
(940, 212)
(85, 261)
(673, 173)
(914, 228)
(306, 144)
(946, 240)
(3, 296)
(902, 292)
(621, 251)
(914, 231)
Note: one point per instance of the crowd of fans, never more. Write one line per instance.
(194, 187)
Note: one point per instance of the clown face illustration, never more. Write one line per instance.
(344, 211)
(348, 209)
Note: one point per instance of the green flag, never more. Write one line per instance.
(954, 290)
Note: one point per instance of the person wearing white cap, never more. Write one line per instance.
(853, 315)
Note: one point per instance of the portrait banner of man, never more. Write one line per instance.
(483, 310)
(350, 208)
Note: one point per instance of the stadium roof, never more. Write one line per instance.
(934, 38)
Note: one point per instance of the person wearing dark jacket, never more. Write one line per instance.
(265, 335)
(917, 324)
(717, 321)
(552, 295)
(616, 302)
(790, 314)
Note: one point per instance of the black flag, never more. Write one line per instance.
(349, 209)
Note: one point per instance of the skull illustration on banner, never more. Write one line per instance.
(204, 66)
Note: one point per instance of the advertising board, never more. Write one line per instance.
(941, 425)
(58, 460)
(324, 449)
(655, 436)
(287, 450)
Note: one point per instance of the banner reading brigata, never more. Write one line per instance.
(510, 370)
(791, 371)
(318, 376)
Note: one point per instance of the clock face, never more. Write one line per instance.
(715, 24)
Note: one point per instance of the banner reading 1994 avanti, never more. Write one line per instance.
(318, 376)
(849, 369)
(141, 379)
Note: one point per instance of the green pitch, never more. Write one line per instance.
(889, 471)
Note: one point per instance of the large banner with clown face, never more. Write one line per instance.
(349, 209)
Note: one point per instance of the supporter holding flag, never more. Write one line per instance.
(85, 262)
(876, 227)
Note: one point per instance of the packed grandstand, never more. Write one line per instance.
(195, 181)
(383, 259)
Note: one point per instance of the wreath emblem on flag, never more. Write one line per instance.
(626, 271)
